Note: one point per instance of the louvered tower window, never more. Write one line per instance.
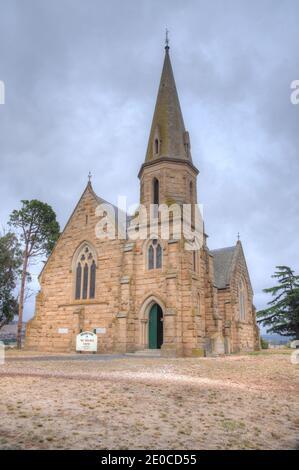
(154, 255)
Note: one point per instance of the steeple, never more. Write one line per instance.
(168, 136)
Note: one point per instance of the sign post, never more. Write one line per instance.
(87, 341)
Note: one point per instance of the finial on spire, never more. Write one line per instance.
(166, 39)
(238, 236)
(89, 177)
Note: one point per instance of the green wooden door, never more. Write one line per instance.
(153, 328)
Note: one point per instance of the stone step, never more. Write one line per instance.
(146, 353)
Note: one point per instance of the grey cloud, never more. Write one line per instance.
(81, 81)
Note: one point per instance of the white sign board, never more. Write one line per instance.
(87, 341)
(63, 331)
(100, 330)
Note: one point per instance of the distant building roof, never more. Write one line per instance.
(223, 262)
(9, 331)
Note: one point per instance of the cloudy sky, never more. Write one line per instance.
(81, 79)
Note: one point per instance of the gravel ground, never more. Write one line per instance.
(235, 402)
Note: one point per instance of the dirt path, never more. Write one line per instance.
(246, 402)
(151, 378)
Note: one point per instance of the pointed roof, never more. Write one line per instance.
(225, 260)
(168, 124)
(89, 189)
(223, 263)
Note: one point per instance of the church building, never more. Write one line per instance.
(153, 293)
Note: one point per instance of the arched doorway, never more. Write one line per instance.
(155, 327)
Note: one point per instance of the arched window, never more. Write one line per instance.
(85, 278)
(151, 257)
(154, 255)
(78, 281)
(242, 300)
(85, 281)
(156, 147)
(158, 256)
(92, 285)
(191, 195)
(156, 191)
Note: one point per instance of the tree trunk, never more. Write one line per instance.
(3, 322)
(21, 299)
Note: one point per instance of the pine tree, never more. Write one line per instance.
(282, 315)
(39, 231)
(10, 262)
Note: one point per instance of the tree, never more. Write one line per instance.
(282, 316)
(264, 344)
(39, 231)
(10, 262)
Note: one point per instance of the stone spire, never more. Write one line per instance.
(168, 136)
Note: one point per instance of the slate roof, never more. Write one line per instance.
(223, 263)
(168, 119)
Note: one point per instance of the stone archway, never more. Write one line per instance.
(151, 321)
(155, 327)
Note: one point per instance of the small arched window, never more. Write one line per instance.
(191, 195)
(151, 257)
(154, 255)
(159, 256)
(242, 300)
(156, 191)
(156, 147)
(191, 191)
(85, 278)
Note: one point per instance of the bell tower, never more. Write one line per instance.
(168, 177)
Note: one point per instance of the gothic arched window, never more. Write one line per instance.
(150, 257)
(92, 284)
(156, 146)
(158, 256)
(191, 191)
(156, 191)
(78, 281)
(192, 202)
(154, 255)
(242, 300)
(85, 279)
